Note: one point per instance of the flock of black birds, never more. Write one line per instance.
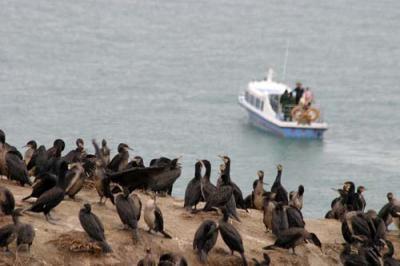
(57, 176)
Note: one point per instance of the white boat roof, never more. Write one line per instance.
(268, 87)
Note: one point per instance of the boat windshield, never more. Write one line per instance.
(274, 100)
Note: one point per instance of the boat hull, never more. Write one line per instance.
(285, 132)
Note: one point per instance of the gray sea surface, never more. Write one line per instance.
(164, 76)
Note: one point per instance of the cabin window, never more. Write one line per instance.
(274, 100)
(262, 105)
(258, 103)
(246, 96)
(251, 99)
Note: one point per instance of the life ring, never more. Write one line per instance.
(305, 116)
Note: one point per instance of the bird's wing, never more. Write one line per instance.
(159, 222)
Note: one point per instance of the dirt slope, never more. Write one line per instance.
(53, 243)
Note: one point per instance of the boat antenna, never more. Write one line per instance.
(285, 62)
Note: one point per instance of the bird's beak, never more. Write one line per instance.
(265, 183)
(129, 148)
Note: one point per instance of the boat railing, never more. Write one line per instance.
(281, 115)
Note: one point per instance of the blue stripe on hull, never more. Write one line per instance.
(305, 133)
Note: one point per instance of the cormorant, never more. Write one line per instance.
(279, 220)
(137, 205)
(163, 179)
(120, 161)
(93, 227)
(25, 235)
(296, 198)
(31, 148)
(170, 259)
(101, 180)
(12, 166)
(193, 190)
(52, 197)
(259, 191)
(207, 188)
(294, 217)
(154, 218)
(77, 154)
(75, 177)
(39, 164)
(7, 201)
(56, 150)
(265, 262)
(281, 193)
(148, 260)
(269, 207)
(205, 239)
(237, 192)
(292, 237)
(231, 236)
(43, 183)
(223, 196)
(105, 152)
(8, 233)
(386, 210)
(361, 203)
(126, 212)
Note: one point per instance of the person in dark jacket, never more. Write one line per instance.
(299, 92)
(285, 102)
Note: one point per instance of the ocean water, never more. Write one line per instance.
(163, 76)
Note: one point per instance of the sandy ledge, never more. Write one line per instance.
(180, 224)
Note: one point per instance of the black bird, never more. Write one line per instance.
(137, 205)
(338, 205)
(237, 192)
(154, 218)
(31, 148)
(56, 150)
(15, 168)
(231, 236)
(296, 198)
(78, 173)
(171, 259)
(164, 179)
(205, 239)
(279, 219)
(52, 197)
(360, 200)
(207, 188)
(77, 154)
(223, 196)
(25, 235)
(126, 212)
(120, 161)
(265, 262)
(193, 190)
(43, 183)
(39, 163)
(8, 233)
(294, 217)
(148, 260)
(7, 201)
(278, 189)
(93, 227)
(292, 237)
(385, 212)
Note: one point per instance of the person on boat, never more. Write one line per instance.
(308, 97)
(292, 104)
(285, 102)
(299, 92)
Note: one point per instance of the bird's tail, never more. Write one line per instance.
(202, 256)
(105, 247)
(27, 197)
(243, 259)
(166, 235)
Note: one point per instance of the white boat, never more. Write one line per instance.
(261, 100)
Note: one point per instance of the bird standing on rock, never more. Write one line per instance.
(25, 234)
(193, 190)
(93, 227)
(31, 148)
(8, 233)
(231, 236)
(278, 189)
(205, 239)
(121, 160)
(154, 218)
(126, 212)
